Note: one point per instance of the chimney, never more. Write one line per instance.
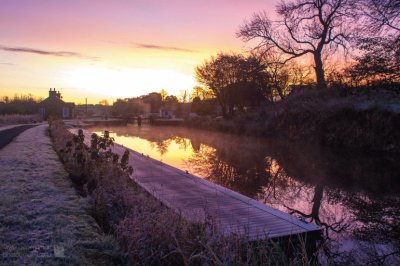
(51, 93)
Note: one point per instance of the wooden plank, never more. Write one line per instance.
(195, 198)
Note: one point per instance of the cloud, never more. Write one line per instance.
(164, 48)
(45, 52)
(7, 64)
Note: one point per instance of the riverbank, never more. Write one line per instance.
(148, 231)
(42, 219)
(353, 195)
(367, 121)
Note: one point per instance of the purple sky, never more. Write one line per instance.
(86, 47)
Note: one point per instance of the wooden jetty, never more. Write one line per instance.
(197, 199)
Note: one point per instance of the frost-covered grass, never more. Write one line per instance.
(42, 219)
(18, 119)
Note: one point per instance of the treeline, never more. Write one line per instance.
(149, 103)
(315, 44)
(19, 104)
(199, 101)
(241, 83)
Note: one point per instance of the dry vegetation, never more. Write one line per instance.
(147, 231)
(18, 119)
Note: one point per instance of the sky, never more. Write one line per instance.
(103, 49)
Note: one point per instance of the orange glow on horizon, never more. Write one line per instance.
(128, 82)
(105, 50)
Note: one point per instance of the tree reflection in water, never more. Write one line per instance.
(161, 145)
(358, 228)
(354, 198)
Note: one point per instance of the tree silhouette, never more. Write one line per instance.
(381, 15)
(379, 44)
(282, 76)
(306, 27)
(19, 104)
(379, 63)
(170, 101)
(154, 99)
(163, 94)
(128, 107)
(233, 79)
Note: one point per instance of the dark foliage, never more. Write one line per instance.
(25, 104)
(235, 81)
(379, 63)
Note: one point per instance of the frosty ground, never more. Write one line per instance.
(42, 219)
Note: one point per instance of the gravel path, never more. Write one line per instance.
(4, 127)
(42, 219)
(8, 134)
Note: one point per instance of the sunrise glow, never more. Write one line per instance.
(128, 82)
(97, 49)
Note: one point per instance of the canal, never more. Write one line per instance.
(353, 197)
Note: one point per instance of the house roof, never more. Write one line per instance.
(56, 101)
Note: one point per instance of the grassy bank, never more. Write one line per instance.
(364, 120)
(147, 231)
(42, 219)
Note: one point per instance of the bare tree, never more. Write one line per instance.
(306, 27)
(381, 15)
(379, 62)
(281, 76)
(379, 44)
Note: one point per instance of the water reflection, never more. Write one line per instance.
(353, 197)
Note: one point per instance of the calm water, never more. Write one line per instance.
(355, 198)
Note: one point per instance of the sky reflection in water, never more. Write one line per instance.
(353, 197)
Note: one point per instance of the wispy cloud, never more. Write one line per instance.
(45, 52)
(7, 64)
(164, 48)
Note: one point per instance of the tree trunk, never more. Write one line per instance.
(280, 92)
(223, 109)
(318, 194)
(319, 71)
(222, 105)
(231, 110)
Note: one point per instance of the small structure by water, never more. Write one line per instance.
(56, 107)
(166, 113)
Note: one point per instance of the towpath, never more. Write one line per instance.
(8, 133)
(42, 219)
